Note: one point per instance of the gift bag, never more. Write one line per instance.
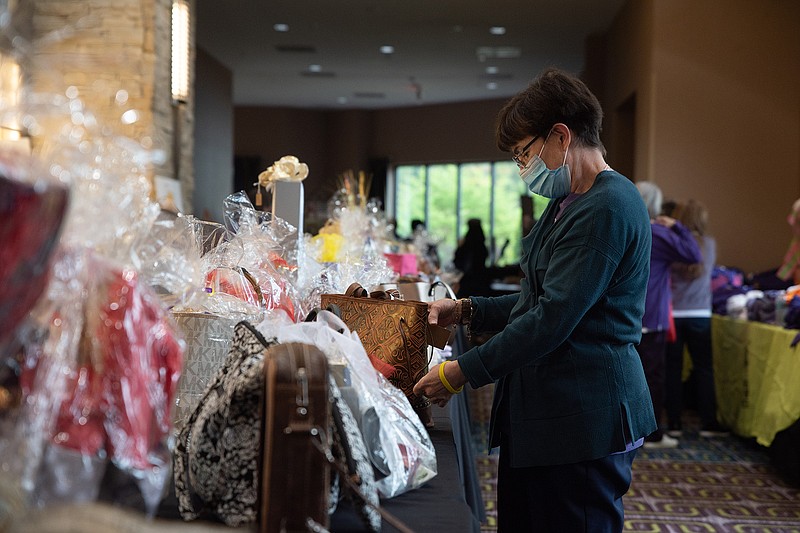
(216, 463)
(98, 391)
(395, 332)
(208, 339)
(207, 326)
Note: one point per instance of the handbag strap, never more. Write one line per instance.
(333, 308)
(355, 290)
(256, 287)
(345, 475)
(390, 294)
(437, 283)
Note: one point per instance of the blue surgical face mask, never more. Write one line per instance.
(543, 181)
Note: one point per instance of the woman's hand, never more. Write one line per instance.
(431, 385)
(442, 312)
(665, 221)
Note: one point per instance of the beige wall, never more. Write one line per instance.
(628, 64)
(718, 112)
(214, 127)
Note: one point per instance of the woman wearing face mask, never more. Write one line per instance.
(571, 402)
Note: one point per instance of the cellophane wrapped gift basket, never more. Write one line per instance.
(92, 367)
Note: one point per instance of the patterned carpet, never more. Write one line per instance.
(704, 485)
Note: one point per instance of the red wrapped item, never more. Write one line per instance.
(263, 288)
(142, 358)
(31, 219)
(236, 282)
(276, 288)
(117, 399)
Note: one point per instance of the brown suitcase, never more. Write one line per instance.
(297, 415)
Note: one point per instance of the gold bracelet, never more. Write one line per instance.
(457, 313)
(446, 383)
(465, 311)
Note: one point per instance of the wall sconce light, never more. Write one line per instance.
(180, 50)
(10, 86)
(12, 134)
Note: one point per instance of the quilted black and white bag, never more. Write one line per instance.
(216, 458)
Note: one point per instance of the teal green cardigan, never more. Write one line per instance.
(569, 383)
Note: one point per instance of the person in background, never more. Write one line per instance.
(571, 404)
(425, 247)
(470, 258)
(789, 270)
(691, 309)
(672, 242)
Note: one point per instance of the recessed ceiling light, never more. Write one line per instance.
(499, 52)
(315, 68)
(492, 70)
(342, 100)
(497, 30)
(387, 49)
(281, 27)
(491, 86)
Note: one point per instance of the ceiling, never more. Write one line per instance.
(442, 48)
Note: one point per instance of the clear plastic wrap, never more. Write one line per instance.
(96, 361)
(351, 244)
(266, 247)
(398, 444)
(106, 171)
(169, 258)
(98, 386)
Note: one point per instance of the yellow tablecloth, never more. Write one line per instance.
(757, 377)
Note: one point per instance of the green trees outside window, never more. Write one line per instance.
(445, 196)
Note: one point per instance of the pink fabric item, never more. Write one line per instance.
(403, 264)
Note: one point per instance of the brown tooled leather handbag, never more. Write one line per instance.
(395, 332)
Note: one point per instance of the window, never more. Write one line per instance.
(445, 196)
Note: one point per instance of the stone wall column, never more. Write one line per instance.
(117, 55)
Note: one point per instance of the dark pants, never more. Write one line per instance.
(585, 496)
(652, 352)
(694, 333)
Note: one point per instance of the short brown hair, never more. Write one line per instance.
(554, 96)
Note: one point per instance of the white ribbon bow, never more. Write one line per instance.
(288, 168)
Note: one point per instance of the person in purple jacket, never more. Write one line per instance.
(672, 243)
(691, 308)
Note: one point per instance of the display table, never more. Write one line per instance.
(757, 376)
(439, 505)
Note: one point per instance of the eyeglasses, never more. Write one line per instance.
(522, 153)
